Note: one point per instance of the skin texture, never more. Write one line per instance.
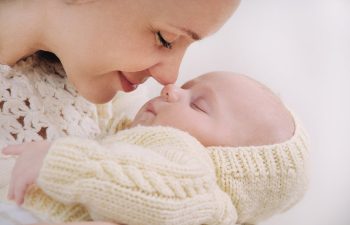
(105, 44)
(218, 108)
(221, 109)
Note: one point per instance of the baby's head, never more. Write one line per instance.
(221, 109)
(257, 146)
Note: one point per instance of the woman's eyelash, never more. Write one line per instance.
(162, 41)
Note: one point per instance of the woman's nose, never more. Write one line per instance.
(166, 71)
(170, 93)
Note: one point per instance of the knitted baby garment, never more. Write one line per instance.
(142, 175)
(264, 180)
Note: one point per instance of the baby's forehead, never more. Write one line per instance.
(210, 79)
(227, 81)
(238, 92)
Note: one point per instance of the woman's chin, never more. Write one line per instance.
(101, 97)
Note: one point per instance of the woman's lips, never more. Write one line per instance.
(126, 84)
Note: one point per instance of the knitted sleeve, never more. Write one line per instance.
(133, 178)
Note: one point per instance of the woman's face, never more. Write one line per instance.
(111, 45)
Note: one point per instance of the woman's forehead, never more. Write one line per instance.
(192, 15)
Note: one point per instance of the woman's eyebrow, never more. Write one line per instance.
(191, 33)
(195, 36)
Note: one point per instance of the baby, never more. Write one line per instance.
(222, 149)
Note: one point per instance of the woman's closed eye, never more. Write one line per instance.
(161, 40)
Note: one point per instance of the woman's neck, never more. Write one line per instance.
(21, 23)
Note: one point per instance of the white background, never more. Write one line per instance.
(301, 50)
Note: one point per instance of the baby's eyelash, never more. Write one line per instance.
(162, 41)
(196, 107)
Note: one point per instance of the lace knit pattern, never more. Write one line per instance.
(37, 103)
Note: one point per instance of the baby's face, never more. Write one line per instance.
(219, 109)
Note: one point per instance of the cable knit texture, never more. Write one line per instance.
(143, 175)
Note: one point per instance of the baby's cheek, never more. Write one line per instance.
(145, 118)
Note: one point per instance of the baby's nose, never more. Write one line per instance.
(170, 93)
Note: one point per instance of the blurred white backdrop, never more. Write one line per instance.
(301, 50)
